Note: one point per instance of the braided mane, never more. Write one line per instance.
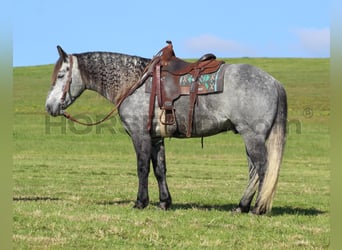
(110, 74)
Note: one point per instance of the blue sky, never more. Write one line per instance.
(264, 28)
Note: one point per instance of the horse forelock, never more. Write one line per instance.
(58, 65)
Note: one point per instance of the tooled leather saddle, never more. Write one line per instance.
(169, 73)
(167, 70)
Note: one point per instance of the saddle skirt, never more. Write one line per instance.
(207, 83)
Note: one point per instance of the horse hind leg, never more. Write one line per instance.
(159, 167)
(257, 159)
(246, 200)
(275, 148)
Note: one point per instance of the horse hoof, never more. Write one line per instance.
(236, 210)
(164, 205)
(258, 211)
(140, 205)
(240, 210)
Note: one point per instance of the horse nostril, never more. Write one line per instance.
(49, 108)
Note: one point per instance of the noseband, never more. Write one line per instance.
(66, 90)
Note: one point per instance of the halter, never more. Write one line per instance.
(66, 90)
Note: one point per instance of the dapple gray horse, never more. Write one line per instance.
(253, 104)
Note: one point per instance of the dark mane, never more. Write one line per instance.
(110, 73)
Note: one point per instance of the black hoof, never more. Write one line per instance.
(164, 205)
(140, 205)
(239, 210)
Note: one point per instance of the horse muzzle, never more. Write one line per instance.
(54, 109)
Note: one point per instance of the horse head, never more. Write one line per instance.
(66, 84)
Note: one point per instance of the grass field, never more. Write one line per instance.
(74, 187)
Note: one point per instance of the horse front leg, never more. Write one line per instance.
(159, 167)
(142, 145)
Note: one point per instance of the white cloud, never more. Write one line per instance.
(221, 47)
(309, 42)
(314, 42)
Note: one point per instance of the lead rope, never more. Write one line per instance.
(68, 116)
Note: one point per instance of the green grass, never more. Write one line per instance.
(74, 187)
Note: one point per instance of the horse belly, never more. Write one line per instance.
(208, 118)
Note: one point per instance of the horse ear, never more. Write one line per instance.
(62, 53)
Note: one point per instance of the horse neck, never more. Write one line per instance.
(110, 74)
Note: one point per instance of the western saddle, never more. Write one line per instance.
(166, 70)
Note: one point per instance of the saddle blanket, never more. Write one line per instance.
(207, 83)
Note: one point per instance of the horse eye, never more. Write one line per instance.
(60, 75)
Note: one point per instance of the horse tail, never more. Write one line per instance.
(275, 148)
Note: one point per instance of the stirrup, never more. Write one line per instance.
(163, 118)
